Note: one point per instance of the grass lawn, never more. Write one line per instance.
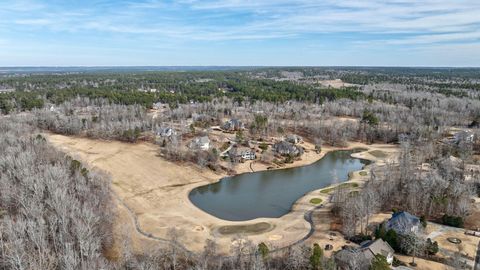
(378, 154)
(316, 201)
(344, 185)
(249, 228)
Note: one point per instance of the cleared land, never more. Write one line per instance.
(156, 192)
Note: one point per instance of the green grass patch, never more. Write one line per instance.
(327, 190)
(344, 185)
(363, 173)
(316, 201)
(255, 228)
(378, 154)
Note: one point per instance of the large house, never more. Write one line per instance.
(202, 143)
(378, 247)
(292, 138)
(248, 154)
(165, 132)
(361, 258)
(284, 148)
(351, 258)
(233, 125)
(403, 223)
(463, 136)
(242, 153)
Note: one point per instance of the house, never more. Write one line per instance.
(351, 258)
(240, 153)
(292, 138)
(284, 148)
(361, 258)
(6, 90)
(233, 125)
(248, 155)
(378, 247)
(202, 143)
(403, 223)
(153, 90)
(463, 136)
(165, 132)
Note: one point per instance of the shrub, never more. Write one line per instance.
(423, 220)
(316, 258)
(452, 221)
(431, 247)
(263, 146)
(379, 263)
(263, 250)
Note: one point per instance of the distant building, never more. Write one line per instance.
(284, 148)
(165, 132)
(6, 90)
(292, 138)
(463, 136)
(233, 125)
(403, 223)
(153, 90)
(248, 155)
(202, 143)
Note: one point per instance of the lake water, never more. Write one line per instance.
(272, 193)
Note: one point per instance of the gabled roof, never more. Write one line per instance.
(402, 222)
(377, 247)
(344, 258)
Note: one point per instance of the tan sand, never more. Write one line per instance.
(156, 191)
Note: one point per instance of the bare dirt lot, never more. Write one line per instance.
(155, 193)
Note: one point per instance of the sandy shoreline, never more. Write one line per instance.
(157, 191)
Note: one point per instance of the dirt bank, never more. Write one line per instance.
(156, 192)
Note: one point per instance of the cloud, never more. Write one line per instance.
(396, 22)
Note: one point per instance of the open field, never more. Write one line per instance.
(156, 191)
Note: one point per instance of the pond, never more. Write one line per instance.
(271, 194)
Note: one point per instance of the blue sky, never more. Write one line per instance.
(240, 32)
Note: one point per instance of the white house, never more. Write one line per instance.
(202, 143)
(463, 136)
(248, 155)
(165, 132)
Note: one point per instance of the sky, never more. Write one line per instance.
(239, 33)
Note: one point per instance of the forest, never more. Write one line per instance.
(57, 213)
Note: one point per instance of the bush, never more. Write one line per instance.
(360, 238)
(431, 247)
(263, 146)
(263, 250)
(423, 220)
(452, 221)
(379, 263)
(316, 258)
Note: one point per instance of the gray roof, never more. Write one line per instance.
(286, 148)
(402, 222)
(348, 256)
(233, 124)
(378, 246)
